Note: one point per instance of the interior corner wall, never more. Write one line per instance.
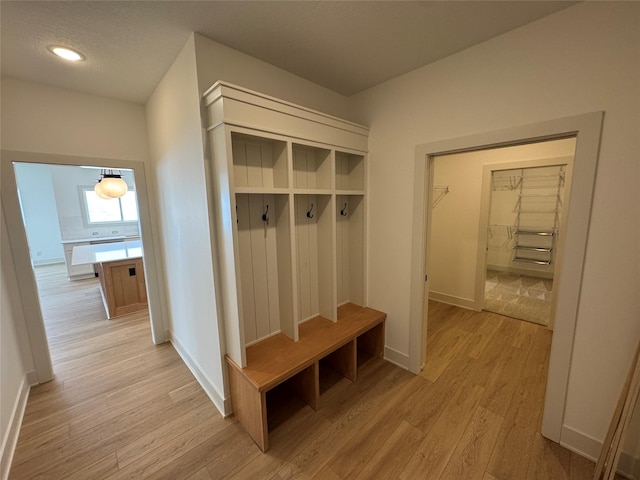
(455, 229)
(219, 62)
(579, 60)
(15, 354)
(177, 156)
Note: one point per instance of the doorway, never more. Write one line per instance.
(63, 217)
(20, 251)
(586, 129)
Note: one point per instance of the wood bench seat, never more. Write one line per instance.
(277, 359)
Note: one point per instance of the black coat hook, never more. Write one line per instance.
(309, 214)
(343, 212)
(265, 215)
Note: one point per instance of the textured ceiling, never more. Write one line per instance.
(347, 46)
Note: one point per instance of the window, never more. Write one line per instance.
(99, 210)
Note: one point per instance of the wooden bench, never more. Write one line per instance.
(277, 359)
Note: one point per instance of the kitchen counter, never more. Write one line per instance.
(106, 252)
(115, 238)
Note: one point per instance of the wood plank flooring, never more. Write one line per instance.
(121, 407)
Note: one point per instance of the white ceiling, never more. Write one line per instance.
(347, 46)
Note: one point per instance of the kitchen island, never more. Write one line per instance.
(121, 273)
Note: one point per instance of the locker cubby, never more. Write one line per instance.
(349, 171)
(350, 249)
(314, 255)
(311, 168)
(264, 245)
(259, 162)
(370, 344)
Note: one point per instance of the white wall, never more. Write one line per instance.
(219, 62)
(15, 355)
(455, 229)
(43, 119)
(40, 214)
(177, 155)
(582, 59)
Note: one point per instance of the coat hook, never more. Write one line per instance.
(309, 214)
(343, 212)
(265, 215)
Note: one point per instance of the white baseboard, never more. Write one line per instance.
(223, 405)
(10, 439)
(396, 357)
(628, 466)
(580, 443)
(452, 300)
(590, 448)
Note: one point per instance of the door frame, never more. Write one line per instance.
(20, 250)
(587, 129)
(485, 208)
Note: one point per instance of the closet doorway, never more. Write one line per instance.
(485, 207)
(585, 130)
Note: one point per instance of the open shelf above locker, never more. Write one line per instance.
(259, 162)
(311, 167)
(349, 172)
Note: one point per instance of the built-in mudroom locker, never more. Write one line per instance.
(289, 203)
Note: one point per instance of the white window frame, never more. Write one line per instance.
(85, 209)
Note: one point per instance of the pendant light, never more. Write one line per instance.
(98, 190)
(110, 185)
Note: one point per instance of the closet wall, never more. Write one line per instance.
(456, 228)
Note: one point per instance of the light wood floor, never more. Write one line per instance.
(120, 407)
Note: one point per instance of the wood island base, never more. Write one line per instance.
(122, 286)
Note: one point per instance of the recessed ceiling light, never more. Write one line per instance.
(66, 53)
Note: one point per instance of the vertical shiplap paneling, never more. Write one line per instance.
(246, 268)
(259, 233)
(284, 267)
(325, 242)
(253, 162)
(259, 264)
(240, 164)
(267, 164)
(354, 249)
(342, 165)
(300, 168)
(342, 243)
(271, 264)
(349, 249)
(254, 165)
(306, 257)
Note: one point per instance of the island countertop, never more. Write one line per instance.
(106, 252)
